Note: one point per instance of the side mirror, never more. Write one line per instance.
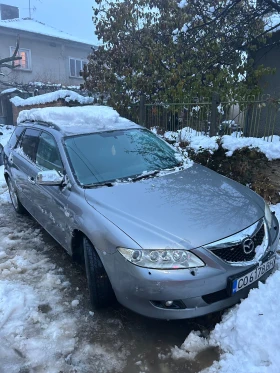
(50, 177)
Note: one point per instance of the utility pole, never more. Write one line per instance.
(29, 10)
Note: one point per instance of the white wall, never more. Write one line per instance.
(49, 56)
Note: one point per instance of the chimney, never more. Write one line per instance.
(8, 12)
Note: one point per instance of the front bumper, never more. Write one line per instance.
(200, 292)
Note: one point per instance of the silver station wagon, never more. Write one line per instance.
(168, 238)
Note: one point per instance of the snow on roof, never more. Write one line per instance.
(31, 25)
(10, 90)
(78, 119)
(64, 94)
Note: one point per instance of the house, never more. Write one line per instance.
(269, 56)
(49, 57)
(265, 115)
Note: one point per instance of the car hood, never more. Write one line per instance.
(185, 209)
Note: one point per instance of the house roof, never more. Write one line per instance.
(36, 27)
(46, 98)
(10, 90)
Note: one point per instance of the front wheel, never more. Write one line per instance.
(100, 289)
(14, 197)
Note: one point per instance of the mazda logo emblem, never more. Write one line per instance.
(248, 245)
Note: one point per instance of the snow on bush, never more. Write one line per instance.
(199, 142)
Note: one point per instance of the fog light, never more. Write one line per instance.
(169, 303)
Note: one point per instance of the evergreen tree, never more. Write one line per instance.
(169, 50)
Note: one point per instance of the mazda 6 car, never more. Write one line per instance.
(168, 238)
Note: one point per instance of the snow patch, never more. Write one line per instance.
(193, 344)
(75, 303)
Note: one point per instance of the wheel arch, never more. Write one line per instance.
(6, 175)
(77, 250)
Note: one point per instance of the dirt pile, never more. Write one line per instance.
(247, 166)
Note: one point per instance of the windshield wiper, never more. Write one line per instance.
(154, 173)
(145, 176)
(95, 185)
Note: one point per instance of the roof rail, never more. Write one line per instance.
(44, 124)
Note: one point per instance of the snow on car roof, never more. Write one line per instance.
(45, 98)
(31, 25)
(78, 119)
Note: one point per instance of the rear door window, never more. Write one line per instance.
(29, 143)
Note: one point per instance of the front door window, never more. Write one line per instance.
(48, 157)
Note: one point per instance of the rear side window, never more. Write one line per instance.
(15, 137)
(29, 143)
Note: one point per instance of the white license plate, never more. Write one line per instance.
(252, 276)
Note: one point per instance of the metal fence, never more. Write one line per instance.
(253, 116)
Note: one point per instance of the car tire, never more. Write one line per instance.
(14, 197)
(100, 289)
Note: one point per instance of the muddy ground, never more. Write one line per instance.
(121, 334)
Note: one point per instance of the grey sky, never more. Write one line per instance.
(72, 16)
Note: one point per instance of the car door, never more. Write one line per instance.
(23, 167)
(51, 201)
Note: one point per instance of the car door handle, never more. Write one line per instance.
(11, 160)
(31, 179)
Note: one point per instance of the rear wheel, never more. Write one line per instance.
(14, 197)
(100, 289)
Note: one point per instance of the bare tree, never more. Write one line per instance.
(10, 63)
(5, 62)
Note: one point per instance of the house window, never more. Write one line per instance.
(76, 65)
(25, 54)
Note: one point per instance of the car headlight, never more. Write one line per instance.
(162, 259)
(268, 216)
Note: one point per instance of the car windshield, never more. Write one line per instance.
(117, 155)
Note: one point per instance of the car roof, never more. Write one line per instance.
(76, 120)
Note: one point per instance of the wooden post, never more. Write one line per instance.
(142, 111)
(214, 114)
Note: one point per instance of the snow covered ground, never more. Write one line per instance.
(46, 325)
(247, 336)
(40, 314)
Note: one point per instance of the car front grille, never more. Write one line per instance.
(234, 254)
